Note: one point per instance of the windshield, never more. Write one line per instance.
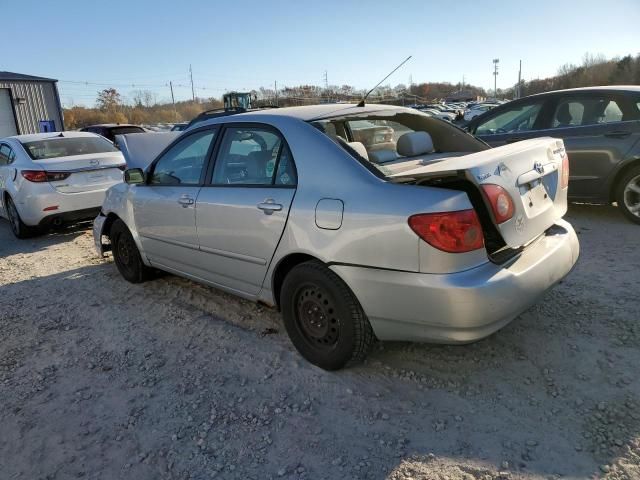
(393, 141)
(67, 147)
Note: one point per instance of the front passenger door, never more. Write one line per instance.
(164, 207)
(511, 123)
(242, 213)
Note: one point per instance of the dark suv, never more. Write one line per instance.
(110, 130)
(600, 127)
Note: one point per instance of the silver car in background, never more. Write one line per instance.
(423, 234)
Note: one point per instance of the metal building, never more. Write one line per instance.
(29, 104)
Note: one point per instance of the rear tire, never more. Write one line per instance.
(323, 318)
(18, 227)
(126, 254)
(628, 194)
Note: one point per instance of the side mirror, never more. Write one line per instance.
(134, 176)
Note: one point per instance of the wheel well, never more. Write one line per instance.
(621, 173)
(106, 228)
(283, 268)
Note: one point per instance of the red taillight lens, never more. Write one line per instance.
(39, 176)
(564, 182)
(453, 232)
(500, 201)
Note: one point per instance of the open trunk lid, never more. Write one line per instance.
(140, 149)
(530, 171)
(85, 173)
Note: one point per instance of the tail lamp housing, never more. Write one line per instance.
(564, 177)
(500, 201)
(453, 232)
(40, 176)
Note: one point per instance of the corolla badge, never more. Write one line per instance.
(538, 167)
(94, 162)
(519, 224)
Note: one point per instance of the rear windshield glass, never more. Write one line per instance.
(125, 130)
(392, 142)
(67, 147)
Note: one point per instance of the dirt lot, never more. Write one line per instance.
(169, 379)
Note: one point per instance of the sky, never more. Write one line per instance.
(243, 45)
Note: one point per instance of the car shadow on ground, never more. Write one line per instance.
(10, 245)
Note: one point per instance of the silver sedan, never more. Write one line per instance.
(417, 232)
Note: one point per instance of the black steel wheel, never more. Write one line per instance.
(126, 255)
(323, 318)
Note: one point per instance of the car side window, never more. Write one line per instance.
(6, 155)
(521, 118)
(591, 110)
(183, 163)
(253, 156)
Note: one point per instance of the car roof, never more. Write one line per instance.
(112, 125)
(32, 137)
(617, 88)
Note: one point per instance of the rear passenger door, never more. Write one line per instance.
(242, 210)
(598, 130)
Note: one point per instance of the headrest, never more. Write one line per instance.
(360, 149)
(382, 156)
(414, 143)
(564, 114)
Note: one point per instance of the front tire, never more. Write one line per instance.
(628, 195)
(323, 318)
(126, 254)
(18, 227)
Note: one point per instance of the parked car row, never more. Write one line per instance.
(458, 111)
(356, 222)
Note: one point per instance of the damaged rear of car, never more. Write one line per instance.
(479, 265)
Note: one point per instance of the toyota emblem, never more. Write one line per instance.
(538, 167)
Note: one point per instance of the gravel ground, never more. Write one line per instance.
(103, 379)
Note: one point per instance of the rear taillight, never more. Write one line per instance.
(36, 176)
(453, 232)
(40, 176)
(564, 181)
(500, 201)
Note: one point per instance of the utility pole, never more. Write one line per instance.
(519, 80)
(193, 92)
(462, 88)
(173, 100)
(275, 85)
(495, 77)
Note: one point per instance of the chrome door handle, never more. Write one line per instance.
(269, 206)
(186, 200)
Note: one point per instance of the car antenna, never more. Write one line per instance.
(361, 104)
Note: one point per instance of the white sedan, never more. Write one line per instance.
(48, 179)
